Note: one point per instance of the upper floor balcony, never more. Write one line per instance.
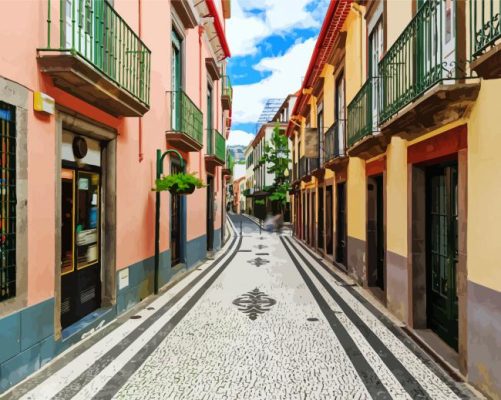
(307, 166)
(227, 95)
(334, 146)
(363, 135)
(485, 35)
(93, 54)
(216, 149)
(423, 83)
(230, 163)
(186, 123)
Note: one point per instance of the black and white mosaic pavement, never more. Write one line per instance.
(287, 328)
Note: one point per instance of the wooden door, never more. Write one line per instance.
(442, 245)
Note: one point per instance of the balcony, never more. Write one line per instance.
(230, 163)
(97, 57)
(423, 85)
(334, 151)
(295, 172)
(216, 149)
(363, 135)
(186, 123)
(227, 95)
(485, 23)
(307, 166)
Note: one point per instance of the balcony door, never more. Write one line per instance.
(436, 53)
(91, 28)
(210, 133)
(340, 113)
(176, 80)
(321, 138)
(376, 50)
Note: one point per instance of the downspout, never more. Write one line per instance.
(140, 118)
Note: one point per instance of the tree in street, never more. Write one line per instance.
(276, 156)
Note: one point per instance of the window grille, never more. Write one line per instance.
(7, 202)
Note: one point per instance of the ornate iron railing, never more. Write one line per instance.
(94, 31)
(216, 144)
(334, 141)
(485, 23)
(227, 88)
(422, 56)
(186, 117)
(307, 165)
(362, 115)
(220, 146)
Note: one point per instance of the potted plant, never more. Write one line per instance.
(180, 183)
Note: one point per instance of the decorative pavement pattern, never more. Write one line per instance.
(291, 329)
(254, 303)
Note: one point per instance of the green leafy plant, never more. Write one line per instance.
(276, 157)
(180, 183)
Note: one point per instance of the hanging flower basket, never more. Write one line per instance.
(179, 183)
(188, 190)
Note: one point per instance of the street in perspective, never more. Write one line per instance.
(250, 199)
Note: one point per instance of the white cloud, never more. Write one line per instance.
(287, 72)
(239, 138)
(276, 17)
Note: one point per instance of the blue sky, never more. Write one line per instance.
(271, 42)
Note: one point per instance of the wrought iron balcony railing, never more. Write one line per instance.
(362, 112)
(485, 23)
(307, 166)
(334, 141)
(94, 31)
(422, 56)
(227, 88)
(220, 146)
(216, 145)
(186, 117)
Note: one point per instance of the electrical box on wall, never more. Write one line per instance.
(43, 103)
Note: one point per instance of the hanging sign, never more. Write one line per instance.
(43, 102)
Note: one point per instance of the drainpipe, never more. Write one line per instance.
(140, 118)
(357, 9)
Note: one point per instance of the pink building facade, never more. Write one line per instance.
(90, 90)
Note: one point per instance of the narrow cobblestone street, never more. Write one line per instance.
(265, 320)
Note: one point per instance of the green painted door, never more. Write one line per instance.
(442, 240)
(436, 42)
(176, 81)
(210, 134)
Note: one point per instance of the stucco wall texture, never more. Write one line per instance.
(135, 202)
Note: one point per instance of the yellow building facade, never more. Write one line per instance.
(395, 138)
